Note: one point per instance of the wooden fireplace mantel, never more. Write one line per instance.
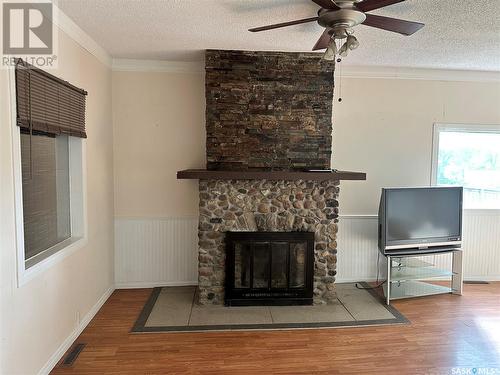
(204, 174)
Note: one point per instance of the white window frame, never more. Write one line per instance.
(78, 201)
(451, 127)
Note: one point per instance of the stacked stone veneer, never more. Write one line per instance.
(270, 110)
(263, 205)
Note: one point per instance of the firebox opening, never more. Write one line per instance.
(269, 268)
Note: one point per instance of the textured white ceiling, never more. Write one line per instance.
(459, 34)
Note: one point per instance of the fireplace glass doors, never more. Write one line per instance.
(269, 268)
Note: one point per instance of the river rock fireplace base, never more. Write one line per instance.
(266, 206)
(269, 268)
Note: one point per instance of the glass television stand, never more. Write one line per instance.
(411, 275)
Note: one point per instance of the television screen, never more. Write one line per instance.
(421, 215)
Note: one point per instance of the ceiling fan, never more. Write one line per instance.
(338, 17)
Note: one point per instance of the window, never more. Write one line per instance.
(46, 192)
(469, 156)
(48, 129)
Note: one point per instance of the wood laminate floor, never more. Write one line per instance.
(447, 335)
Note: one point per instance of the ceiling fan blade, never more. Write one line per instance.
(368, 5)
(393, 24)
(283, 24)
(323, 40)
(326, 4)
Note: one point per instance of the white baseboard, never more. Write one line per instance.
(350, 280)
(482, 278)
(56, 357)
(372, 280)
(153, 284)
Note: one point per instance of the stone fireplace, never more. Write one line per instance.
(268, 122)
(266, 206)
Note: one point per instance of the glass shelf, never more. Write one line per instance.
(410, 289)
(415, 273)
(408, 275)
(409, 262)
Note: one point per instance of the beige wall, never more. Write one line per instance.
(37, 317)
(159, 127)
(384, 127)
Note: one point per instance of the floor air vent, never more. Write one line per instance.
(73, 355)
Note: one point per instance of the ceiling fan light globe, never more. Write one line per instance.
(352, 42)
(328, 56)
(344, 50)
(333, 46)
(331, 51)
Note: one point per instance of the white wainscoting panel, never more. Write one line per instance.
(481, 244)
(358, 252)
(357, 249)
(156, 252)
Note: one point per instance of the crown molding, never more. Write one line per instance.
(419, 74)
(133, 65)
(68, 26)
(378, 72)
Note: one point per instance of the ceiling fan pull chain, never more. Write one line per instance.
(339, 60)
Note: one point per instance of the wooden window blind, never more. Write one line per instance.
(48, 104)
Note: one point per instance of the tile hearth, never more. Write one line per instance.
(174, 309)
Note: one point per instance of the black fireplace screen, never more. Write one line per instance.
(269, 268)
